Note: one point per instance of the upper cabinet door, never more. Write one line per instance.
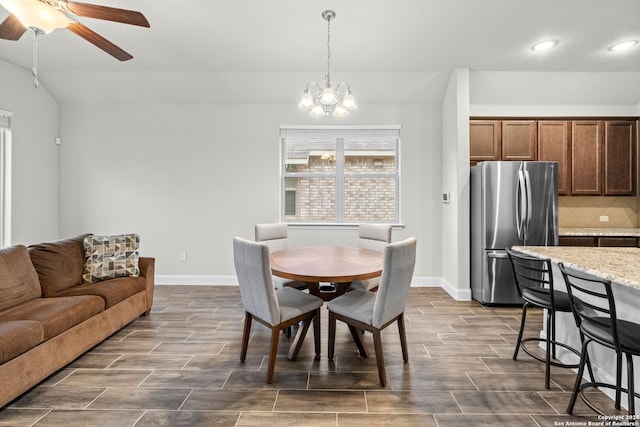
(586, 157)
(554, 145)
(620, 158)
(484, 140)
(519, 140)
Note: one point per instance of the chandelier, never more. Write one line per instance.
(323, 100)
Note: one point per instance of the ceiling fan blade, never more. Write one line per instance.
(108, 13)
(11, 28)
(95, 38)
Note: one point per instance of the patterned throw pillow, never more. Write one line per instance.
(108, 257)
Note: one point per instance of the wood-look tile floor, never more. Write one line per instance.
(180, 367)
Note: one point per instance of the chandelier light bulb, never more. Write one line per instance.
(348, 102)
(317, 110)
(340, 110)
(328, 97)
(306, 101)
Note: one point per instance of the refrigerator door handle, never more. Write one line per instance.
(527, 180)
(520, 201)
(498, 254)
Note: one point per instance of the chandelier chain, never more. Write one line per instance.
(328, 79)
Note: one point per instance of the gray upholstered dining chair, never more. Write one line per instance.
(276, 237)
(374, 311)
(276, 309)
(374, 237)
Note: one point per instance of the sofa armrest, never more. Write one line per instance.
(147, 270)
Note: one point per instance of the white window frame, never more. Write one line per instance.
(5, 178)
(340, 133)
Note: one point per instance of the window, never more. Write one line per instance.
(5, 178)
(340, 174)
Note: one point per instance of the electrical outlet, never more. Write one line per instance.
(183, 256)
(604, 218)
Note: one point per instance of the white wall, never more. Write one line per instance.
(34, 180)
(535, 94)
(190, 177)
(455, 180)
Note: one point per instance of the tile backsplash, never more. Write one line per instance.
(579, 212)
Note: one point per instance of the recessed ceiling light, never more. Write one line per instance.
(623, 45)
(545, 45)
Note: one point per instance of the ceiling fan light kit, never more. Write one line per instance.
(36, 14)
(44, 16)
(325, 100)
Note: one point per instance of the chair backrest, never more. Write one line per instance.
(592, 300)
(253, 270)
(374, 236)
(274, 235)
(531, 272)
(397, 272)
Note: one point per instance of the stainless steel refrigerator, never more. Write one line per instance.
(512, 204)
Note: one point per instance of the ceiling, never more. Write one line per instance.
(265, 51)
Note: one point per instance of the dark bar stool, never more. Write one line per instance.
(534, 281)
(595, 312)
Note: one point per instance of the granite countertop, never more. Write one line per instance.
(621, 232)
(620, 265)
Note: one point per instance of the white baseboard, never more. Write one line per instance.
(171, 279)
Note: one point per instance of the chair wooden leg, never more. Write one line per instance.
(245, 336)
(332, 335)
(273, 351)
(377, 343)
(355, 333)
(296, 345)
(316, 332)
(522, 321)
(403, 338)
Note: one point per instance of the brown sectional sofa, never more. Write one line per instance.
(48, 318)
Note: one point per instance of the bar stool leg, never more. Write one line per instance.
(618, 379)
(630, 387)
(576, 386)
(547, 373)
(553, 334)
(524, 318)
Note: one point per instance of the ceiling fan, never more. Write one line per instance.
(44, 16)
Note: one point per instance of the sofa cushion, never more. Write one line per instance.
(18, 279)
(112, 291)
(56, 315)
(59, 264)
(17, 337)
(108, 257)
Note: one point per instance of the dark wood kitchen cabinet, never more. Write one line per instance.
(586, 157)
(554, 145)
(519, 140)
(601, 241)
(596, 157)
(620, 158)
(484, 140)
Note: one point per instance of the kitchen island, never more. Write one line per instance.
(622, 267)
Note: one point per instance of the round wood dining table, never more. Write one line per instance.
(336, 265)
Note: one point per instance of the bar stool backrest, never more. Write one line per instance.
(592, 301)
(531, 272)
